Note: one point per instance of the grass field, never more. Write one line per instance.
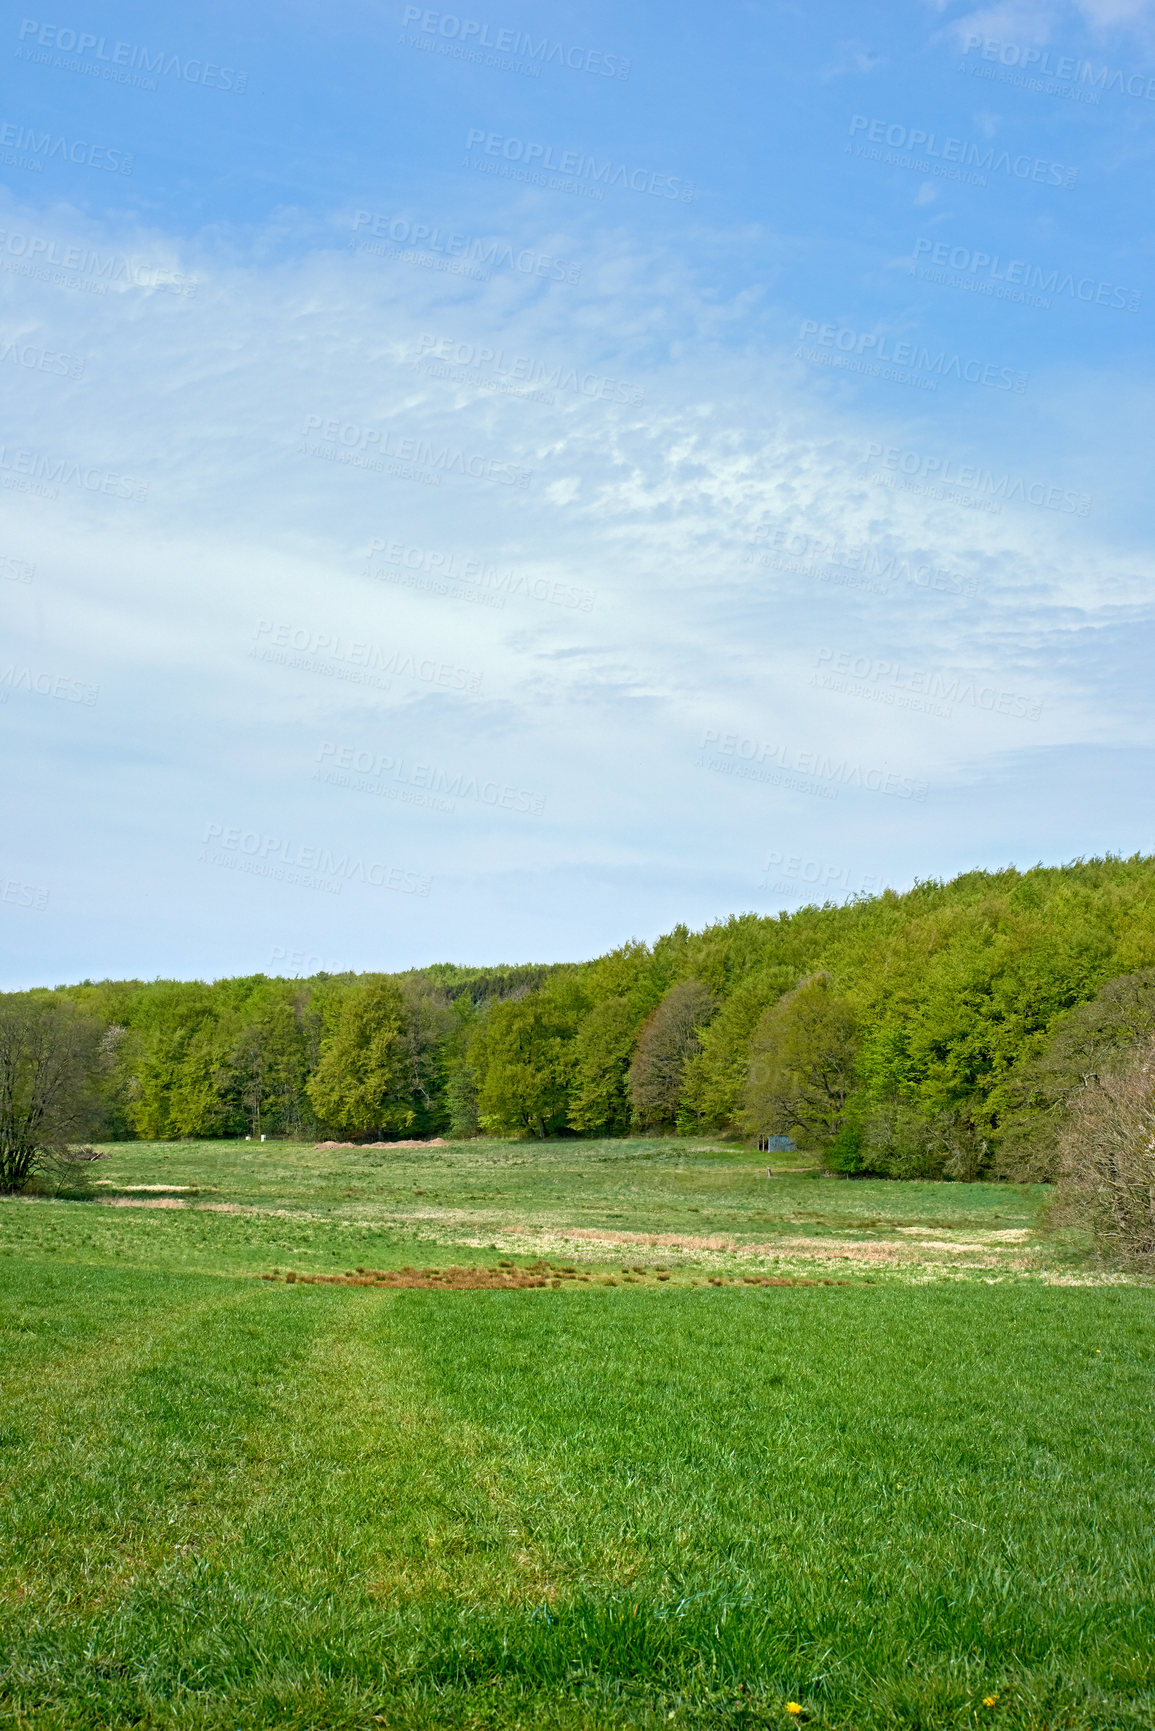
(915, 1491)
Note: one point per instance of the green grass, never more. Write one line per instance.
(322, 1209)
(231, 1504)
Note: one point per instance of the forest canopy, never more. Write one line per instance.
(939, 1032)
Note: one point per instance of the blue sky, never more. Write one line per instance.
(489, 485)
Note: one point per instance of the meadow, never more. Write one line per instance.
(911, 1485)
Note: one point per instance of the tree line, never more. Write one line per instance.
(943, 1032)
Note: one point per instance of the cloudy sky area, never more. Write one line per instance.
(488, 485)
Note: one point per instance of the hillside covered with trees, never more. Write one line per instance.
(941, 1032)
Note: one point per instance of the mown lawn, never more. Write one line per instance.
(226, 1503)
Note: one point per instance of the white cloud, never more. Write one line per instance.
(654, 504)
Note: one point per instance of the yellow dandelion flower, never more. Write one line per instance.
(794, 1706)
(989, 1700)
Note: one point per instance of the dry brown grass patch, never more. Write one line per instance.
(501, 1277)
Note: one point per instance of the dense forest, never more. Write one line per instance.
(940, 1032)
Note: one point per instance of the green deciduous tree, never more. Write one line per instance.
(600, 1099)
(523, 1057)
(362, 1083)
(267, 1064)
(956, 991)
(49, 1055)
(715, 1078)
(801, 1073)
(1090, 1041)
(668, 1040)
(461, 1102)
(425, 1036)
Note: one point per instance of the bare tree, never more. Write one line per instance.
(1107, 1159)
(48, 1057)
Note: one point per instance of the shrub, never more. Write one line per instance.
(895, 1139)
